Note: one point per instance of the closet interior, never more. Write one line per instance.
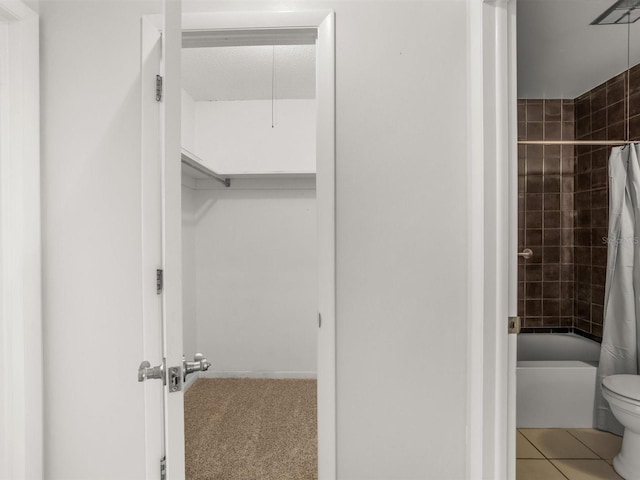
(250, 260)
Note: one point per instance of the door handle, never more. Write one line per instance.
(147, 372)
(161, 372)
(199, 364)
(527, 253)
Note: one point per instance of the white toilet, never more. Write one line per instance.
(623, 394)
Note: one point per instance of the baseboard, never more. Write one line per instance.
(191, 379)
(252, 374)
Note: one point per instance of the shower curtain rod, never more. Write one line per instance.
(575, 142)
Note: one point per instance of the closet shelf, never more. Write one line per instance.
(197, 164)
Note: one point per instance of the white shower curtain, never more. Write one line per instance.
(619, 352)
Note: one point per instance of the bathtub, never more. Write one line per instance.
(556, 378)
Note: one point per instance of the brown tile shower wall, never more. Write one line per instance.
(600, 115)
(563, 284)
(545, 214)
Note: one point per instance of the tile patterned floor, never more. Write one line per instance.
(566, 454)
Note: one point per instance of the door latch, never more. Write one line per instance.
(175, 379)
(514, 325)
(172, 375)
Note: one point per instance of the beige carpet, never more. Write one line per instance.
(251, 429)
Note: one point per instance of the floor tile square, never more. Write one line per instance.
(557, 443)
(527, 469)
(605, 444)
(524, 448)
(586, 469)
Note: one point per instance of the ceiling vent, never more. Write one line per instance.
(620, 13)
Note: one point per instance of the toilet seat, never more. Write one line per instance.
(626, 387)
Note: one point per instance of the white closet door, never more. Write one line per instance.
(172, 234)
(162, 238)
(151, 175)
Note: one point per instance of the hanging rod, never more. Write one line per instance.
(575, 142)
(194, 162)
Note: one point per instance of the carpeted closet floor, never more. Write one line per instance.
(251, 429)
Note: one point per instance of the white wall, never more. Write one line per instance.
(189, 272)
(401, 236)
(257, 281)
(401, 239)
(237, 136)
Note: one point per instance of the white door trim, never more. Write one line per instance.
(492, 254)
(21, 435)
(323, 21)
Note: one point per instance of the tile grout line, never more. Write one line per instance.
(532, 444)
(570, 433)
(544, 457)
(551, 460)
(590, 449)
(556, 467)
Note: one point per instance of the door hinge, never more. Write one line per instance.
(163, 468)
(159, 281)
(158, 88)
(514, 325)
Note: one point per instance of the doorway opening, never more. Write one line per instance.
(577, 100)
(250, 259)
(163, 37)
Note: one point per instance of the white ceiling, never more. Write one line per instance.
(245, 73)
(561, 56)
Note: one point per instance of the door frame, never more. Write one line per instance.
(323, 21)
(492, 287)
(21, 367)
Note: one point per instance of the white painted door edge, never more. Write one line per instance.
(171, 133)
(21, 366)
(151, 245)
(491, 367)
(475, 275)
(512, 226)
